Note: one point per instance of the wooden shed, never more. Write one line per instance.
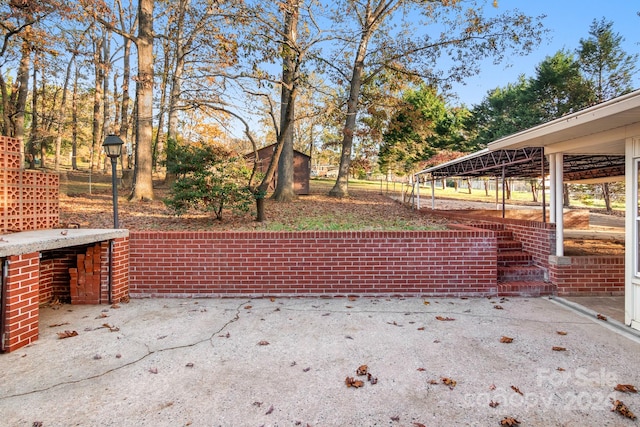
(301, 168)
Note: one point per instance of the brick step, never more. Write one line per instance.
(504, 235)
(525, 289)
(488, 226)
(530, 273)
(509, 245)
(513, 258)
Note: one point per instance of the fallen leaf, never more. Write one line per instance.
(509, 421)
(494, 404)
(307, 369)
(626, 388)
(517, 390)
(161, 337)
(492, 387)
(270, 410)
(506, 340)
(258, 404)
(272, 299)
(448, 381)
(67, 334)
(362, 370)
(263, 342)
(55, 325)
(110, 328)
(421, 328)
(372, 379)
(560, 369)
(426, 303)
(97, 357)
(189, 365)
(37, 424)
(561, 333)
(555, 348)
(498, 307)
(621, 408)
(433, 381)
(445, 319)
(227, 335)
(352, 298)
(419, 425)
(396, 418)
(247, 307)
(153, 370)
(349, 306)
(601, 317)
(421, 369)
(394, 323)
(351, 382)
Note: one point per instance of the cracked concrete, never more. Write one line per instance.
(243, 362)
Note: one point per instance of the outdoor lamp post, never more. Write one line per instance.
(112, 148)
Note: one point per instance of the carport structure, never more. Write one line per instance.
(598, 144)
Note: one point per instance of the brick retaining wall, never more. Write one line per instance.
(587, 275)
(197, 264)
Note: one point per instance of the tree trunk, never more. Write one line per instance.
(565, 195)
(606, 194)
(33, 137)
(340, 189)
(22, 81)
(97, 102)
(260, 208)
(124, 108)
(534, 190)
(74, 120)
(284, 190)
(61, 112)
(143, 187)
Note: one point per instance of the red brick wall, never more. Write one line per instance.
(28, 199)
(119, 272)
(22, 300)
(538, 238)
(46, 281)
(587, 275)
(442, 263)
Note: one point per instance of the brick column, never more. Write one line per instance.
(119, 272)
(22, 300)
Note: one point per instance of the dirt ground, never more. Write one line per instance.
(369, 209)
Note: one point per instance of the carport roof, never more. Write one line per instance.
(591, 140)
(527, 163)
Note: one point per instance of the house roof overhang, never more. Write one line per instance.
(592, 142)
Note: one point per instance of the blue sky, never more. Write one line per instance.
(567, 21)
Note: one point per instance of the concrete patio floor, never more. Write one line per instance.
(283, 362)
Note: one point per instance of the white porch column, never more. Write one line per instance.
(433, 193)
(417, 182)
(559, 162)
(552, 188)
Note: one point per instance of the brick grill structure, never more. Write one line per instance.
(42, 264)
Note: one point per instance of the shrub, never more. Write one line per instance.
(208, 178)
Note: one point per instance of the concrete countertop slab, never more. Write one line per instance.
(26, 242)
